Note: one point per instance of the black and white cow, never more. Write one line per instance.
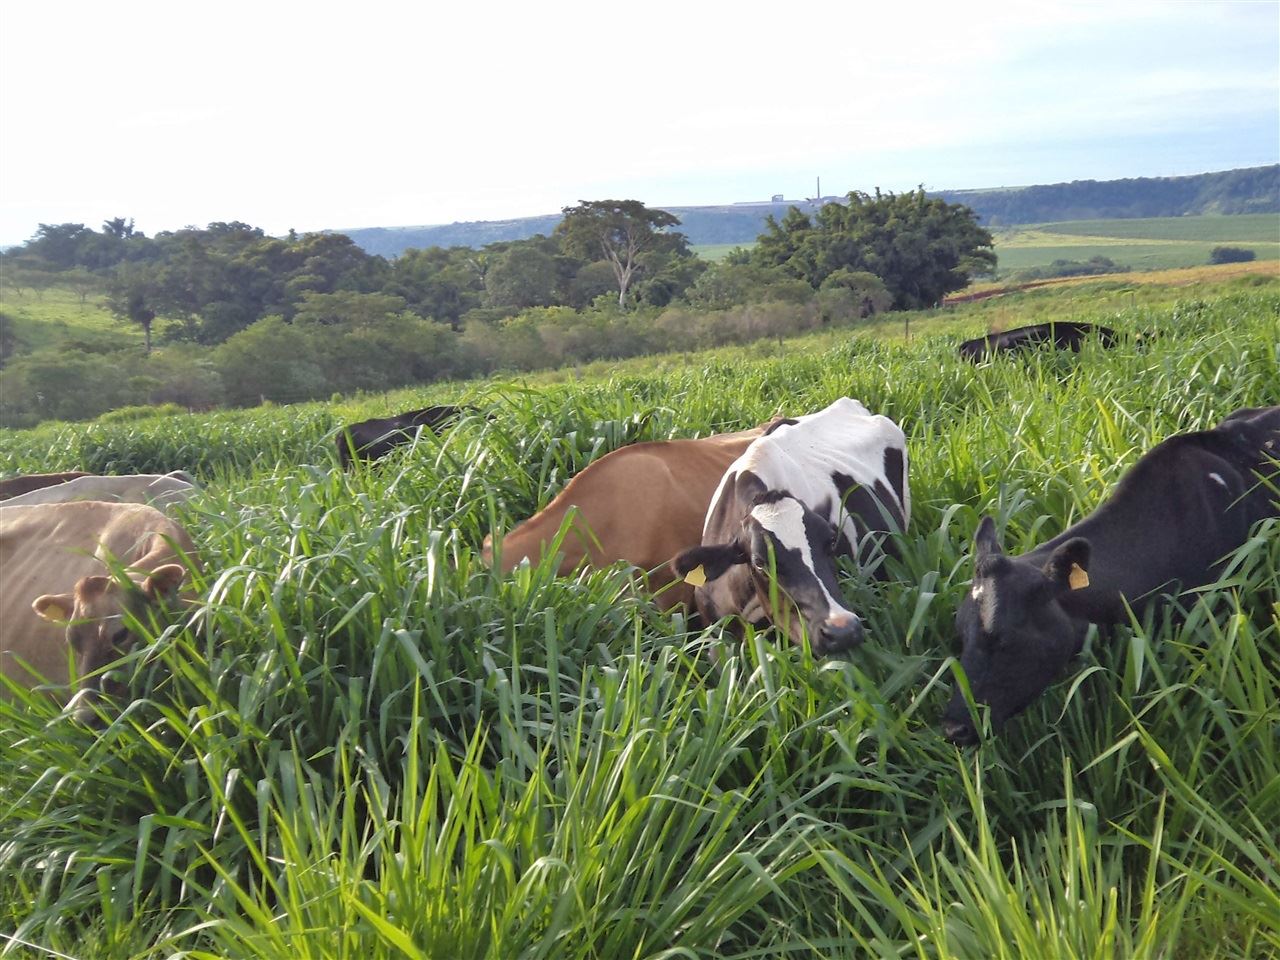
(1182, 508)
(812, 488)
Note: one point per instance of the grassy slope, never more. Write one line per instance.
(365, 744)
(56, 316)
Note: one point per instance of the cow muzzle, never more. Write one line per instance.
(837, 634)
(960, 732)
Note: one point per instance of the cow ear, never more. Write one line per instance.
(698, 565)
(54, 607)
(164, 581)
(1068, 566)
(985, 541)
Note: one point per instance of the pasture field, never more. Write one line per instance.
(56, 315)
(1242, 228)
(1161, 243)
(716, 251)
(358, 741)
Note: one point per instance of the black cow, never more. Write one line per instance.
(1059, 334)
(374, 439)
(1173, 518)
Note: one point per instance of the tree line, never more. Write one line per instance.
(244, 317)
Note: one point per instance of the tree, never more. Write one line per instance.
(133, 295)
(921, 248)
(868, 293)
(618, 232)
(82, 282)
(521, 276)
(439, 283)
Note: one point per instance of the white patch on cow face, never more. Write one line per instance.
(977, 591)
(784, 519)
(987, 612)
(1218, 479)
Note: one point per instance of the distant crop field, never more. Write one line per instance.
(1141, 245)
(1146, 244)
(1135, 256)
(716, 251)
(1244, 228)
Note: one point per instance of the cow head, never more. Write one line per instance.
(1016, 637)
(94, 613)
(780, 567)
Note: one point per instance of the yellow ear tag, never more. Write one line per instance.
(1077, 577)
(697, 576)
(55, 612)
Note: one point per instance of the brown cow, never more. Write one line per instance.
(641, 504)
(60, 614)
(16, 486)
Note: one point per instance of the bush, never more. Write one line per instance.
(1231, 255)
(65, 384)
(1072, 268)
(133, 413)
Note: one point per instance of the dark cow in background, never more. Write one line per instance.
(1172, 519)
(1059, 334)
(374, 439)
(640, 505)
(17, 486)
(828, 484)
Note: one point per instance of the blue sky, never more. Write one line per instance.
(313, 115)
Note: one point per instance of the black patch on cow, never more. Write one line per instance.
(876, 513)
(894, 469)
(780, 422)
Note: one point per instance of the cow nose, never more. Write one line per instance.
(960, 732)
(82, 708)
(839, 633)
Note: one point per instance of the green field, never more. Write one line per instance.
(56, 315)
(716, 251)
(1141, 244)
(1240, 229)
(361, 742)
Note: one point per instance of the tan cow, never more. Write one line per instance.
(641, 504)
(60, 612)
(25, 483)
(160, 489)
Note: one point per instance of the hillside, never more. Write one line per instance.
(1250, 190)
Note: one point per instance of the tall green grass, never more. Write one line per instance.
(359, 741)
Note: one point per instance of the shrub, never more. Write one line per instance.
(1231, 255)
(132, 413)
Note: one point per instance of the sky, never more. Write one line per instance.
(322, 115)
